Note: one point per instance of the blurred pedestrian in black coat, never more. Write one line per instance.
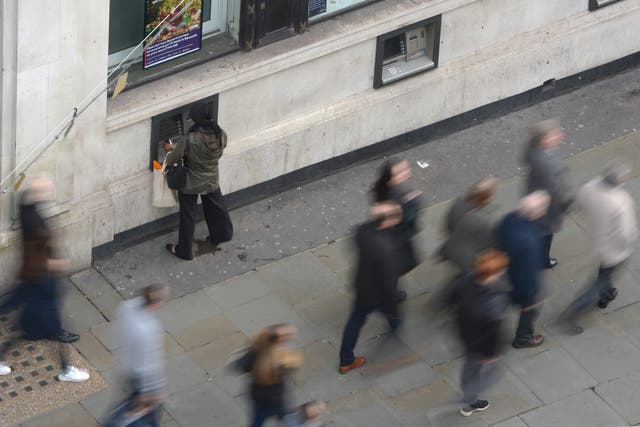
(376, 279)
(392, 185)
(470, 228)
(481, 309)
(548, 173)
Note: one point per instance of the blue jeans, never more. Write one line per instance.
(352, 331)
(262, 412)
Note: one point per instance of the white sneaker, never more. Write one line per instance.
(73, 374)
(4, 369)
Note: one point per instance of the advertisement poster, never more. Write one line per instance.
(181, 35)
(317, 7)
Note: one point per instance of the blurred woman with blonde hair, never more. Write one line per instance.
(270, 362)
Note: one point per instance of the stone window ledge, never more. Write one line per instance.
(239, 68)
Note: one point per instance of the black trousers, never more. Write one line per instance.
(215, 215)
(601, 289)
(546, 248)
(352, 329)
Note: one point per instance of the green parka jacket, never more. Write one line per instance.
(205, 149)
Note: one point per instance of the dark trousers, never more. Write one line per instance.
(546, 248)
(524, 333)
(600, 289)
(215, 215)
(477, 377)
(352, 331)
(262, 412)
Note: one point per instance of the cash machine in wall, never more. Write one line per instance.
(407, 51)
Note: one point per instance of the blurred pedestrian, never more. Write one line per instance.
(547, 173)
(38, 291)
(610, 221)
(481, 307)
(392, 186)
(519, 235)
(142, 367)
(308, 415)
(470, 228)
(201, 150)
(270, 362)
(376, 279)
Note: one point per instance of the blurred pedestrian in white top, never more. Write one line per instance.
(610, 221)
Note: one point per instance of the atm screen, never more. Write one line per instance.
(394, 47)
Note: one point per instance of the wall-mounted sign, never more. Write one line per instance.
(182, 34)
(316, 7)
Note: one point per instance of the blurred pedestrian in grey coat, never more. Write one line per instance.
(548, 173)
(470, 227)
(610, 218)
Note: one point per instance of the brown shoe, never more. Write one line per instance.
(533, 342)
(358, 362)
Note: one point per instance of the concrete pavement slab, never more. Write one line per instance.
(392, 367)
(552, 375)
(584, 409)
(429, 396)
(590, 163)
(337, 255)
(205, 331)
(184, 311)
(509, 396)
(205, 405)
(300, 279)
(237, 290)
(270, 310)
(131, 269)
(98, 290)
(373, 415)
(93, 350)
(623, 395)
(449, 416)
(215, 354)
(327, 313)
(183, 373)
(511, 422)
(78, 313)
(106, 334)
(70, 416)
(627, 319)
(100, 404)
(601, 341)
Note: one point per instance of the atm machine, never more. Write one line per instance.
(407, 51)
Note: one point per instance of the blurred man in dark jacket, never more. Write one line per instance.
(519, 235)
(470, 228)
(376, 279)
(547, 173)
(481, 310)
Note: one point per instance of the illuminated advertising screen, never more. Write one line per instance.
(178, 35)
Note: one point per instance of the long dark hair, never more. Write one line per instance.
(380, 189)
(202, 120)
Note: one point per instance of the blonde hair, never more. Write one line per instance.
(271, 360)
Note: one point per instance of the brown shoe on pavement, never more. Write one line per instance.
(358, 362)
(533, 342)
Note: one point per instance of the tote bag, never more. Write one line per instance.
(163, 196)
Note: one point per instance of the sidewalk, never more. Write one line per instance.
(571, 381)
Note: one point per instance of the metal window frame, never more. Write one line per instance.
(377, 73)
